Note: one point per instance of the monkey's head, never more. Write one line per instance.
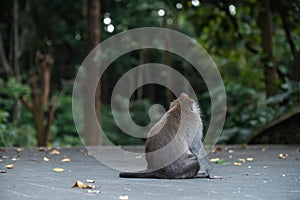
(185, 103)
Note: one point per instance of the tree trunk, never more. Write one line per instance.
(270, 72)
(39, 94)
(15, 40)
(91, 133)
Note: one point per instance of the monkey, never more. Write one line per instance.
(182, 118)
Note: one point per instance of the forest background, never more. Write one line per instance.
(255, 44)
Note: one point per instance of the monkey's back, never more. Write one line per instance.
(185, 164)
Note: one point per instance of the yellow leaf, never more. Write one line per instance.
(54, 152)
(214, 159)
(46, 159)
(81, 185)
(66, 160)
(249, 159)
(58, 169)
(237, 164)
(10, 166)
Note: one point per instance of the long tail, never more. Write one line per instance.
(140, 174)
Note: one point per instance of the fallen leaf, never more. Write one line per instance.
(46, 159)
(242, 160)
(14, 159)
(230, 151)
(58, 169)
(87, 153)
(237, 164)
(90, 181)
(216, 149)
(81, 185)
(249, 159)
(66, 160)
(2, 149)
(214, 159)
(139, 156)
(2, 171)
(9, 166)
(19, 150)
(222, 162)
(5, 157)
(54, 152)
(125, 197)
(42, 149)
(282, 155)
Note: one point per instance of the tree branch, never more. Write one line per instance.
(26, 103)
(288, 33)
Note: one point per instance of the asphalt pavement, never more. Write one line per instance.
(250, 172)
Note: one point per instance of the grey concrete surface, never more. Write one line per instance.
(266, 177)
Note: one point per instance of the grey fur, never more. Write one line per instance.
(189, 127)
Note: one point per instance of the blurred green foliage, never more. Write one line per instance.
(228, 30)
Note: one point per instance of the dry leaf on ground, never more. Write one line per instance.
(9, 166)
(282, 156)
(54, 152)
(42, 149)
(90, 181)
(237, 164)
(81, 185)
(57, 169)
(249, 159)
(214, 159)
(19, 150)
(66, 160)
(46, 159)
(2, 171)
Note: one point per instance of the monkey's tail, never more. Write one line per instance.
(140, 174)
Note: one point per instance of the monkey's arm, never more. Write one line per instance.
(198, 150)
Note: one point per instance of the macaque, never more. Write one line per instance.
(183, 119)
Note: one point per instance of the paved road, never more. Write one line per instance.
(266, 177)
